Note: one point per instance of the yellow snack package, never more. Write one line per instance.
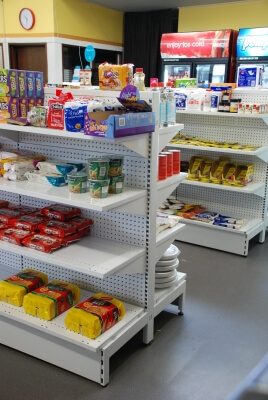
(14, 288)
(95, 315)
(51, 300)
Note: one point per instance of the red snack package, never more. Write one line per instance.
(3, 226)
(57, 228)
(3, 204)
(80, 222)
(55, 115)
(27, 222)
(6, 214)
(60, 212)
(76, 236)
(13, 235)
(23, 209)
(43, 243)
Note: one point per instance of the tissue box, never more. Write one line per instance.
(112, 124)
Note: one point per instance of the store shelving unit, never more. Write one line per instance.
(117, 258)
(250, 202)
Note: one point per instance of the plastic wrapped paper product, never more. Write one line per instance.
(46, 178)
(14, 288)
(51, 300)
(95, 315)
(46, 167)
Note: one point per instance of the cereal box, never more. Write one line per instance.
(39, 84)
(9, 85)
(13, 107)
(115, 77)
(4, 111)
(30, 80)
(23, 104)
(22, 83)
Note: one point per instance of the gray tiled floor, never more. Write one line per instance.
(202, 355)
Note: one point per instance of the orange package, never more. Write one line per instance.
(115, 77)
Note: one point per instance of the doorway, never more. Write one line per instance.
(29, 57)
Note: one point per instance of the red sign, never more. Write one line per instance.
(210, 44)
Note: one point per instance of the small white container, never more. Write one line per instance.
(215, 99)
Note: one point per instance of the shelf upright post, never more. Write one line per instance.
(148, 331)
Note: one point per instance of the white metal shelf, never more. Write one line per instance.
(163, 297)
(56, 327)
(257, 188)
(91, 255)
(224, 114)
(167, 133)
(125, 201)
(137, 143)
(261, 153)
(167, 186)
(251, 228)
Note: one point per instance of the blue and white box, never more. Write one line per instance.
(249, 76)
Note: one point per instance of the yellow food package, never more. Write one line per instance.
(14, 288)
(95, 315)
(51, 300)
(115, 77)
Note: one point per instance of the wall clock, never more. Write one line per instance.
(27, 18)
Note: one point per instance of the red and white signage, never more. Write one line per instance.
(209, 44)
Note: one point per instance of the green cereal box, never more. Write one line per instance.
(9, 83)
(4, 108)
(22, 83)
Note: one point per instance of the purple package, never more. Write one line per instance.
(30, 79)
(13, 107)
(22, 83)
(31, 103)
(23, 103)
(39, 101)
(39, 84)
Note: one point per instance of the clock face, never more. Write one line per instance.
(27, 18)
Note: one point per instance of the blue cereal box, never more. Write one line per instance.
(39, 84)
(30, 80)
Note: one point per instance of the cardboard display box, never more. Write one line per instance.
(112, 124)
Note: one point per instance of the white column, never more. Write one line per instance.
(54, 61)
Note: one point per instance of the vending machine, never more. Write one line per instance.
(252, 47)
(208, 56)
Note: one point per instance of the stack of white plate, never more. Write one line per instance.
(166, 268)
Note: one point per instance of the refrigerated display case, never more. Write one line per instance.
(252, 47)
(208, 56)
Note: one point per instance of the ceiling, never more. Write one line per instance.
(152, 5)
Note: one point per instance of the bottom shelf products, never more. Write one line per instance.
(51, 300)
(14, 288)
(95, 315)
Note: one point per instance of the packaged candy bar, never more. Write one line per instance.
(75, 236)
(6, 214)
(81, 223)
(51, 300)
(57, 228)
(60, 212)
(14, 288)
(26, 222)
(95, 315)
(14, 235)
(3, 203)
(44, 243)
(23, 209)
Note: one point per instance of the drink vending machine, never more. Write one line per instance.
(208, 56)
